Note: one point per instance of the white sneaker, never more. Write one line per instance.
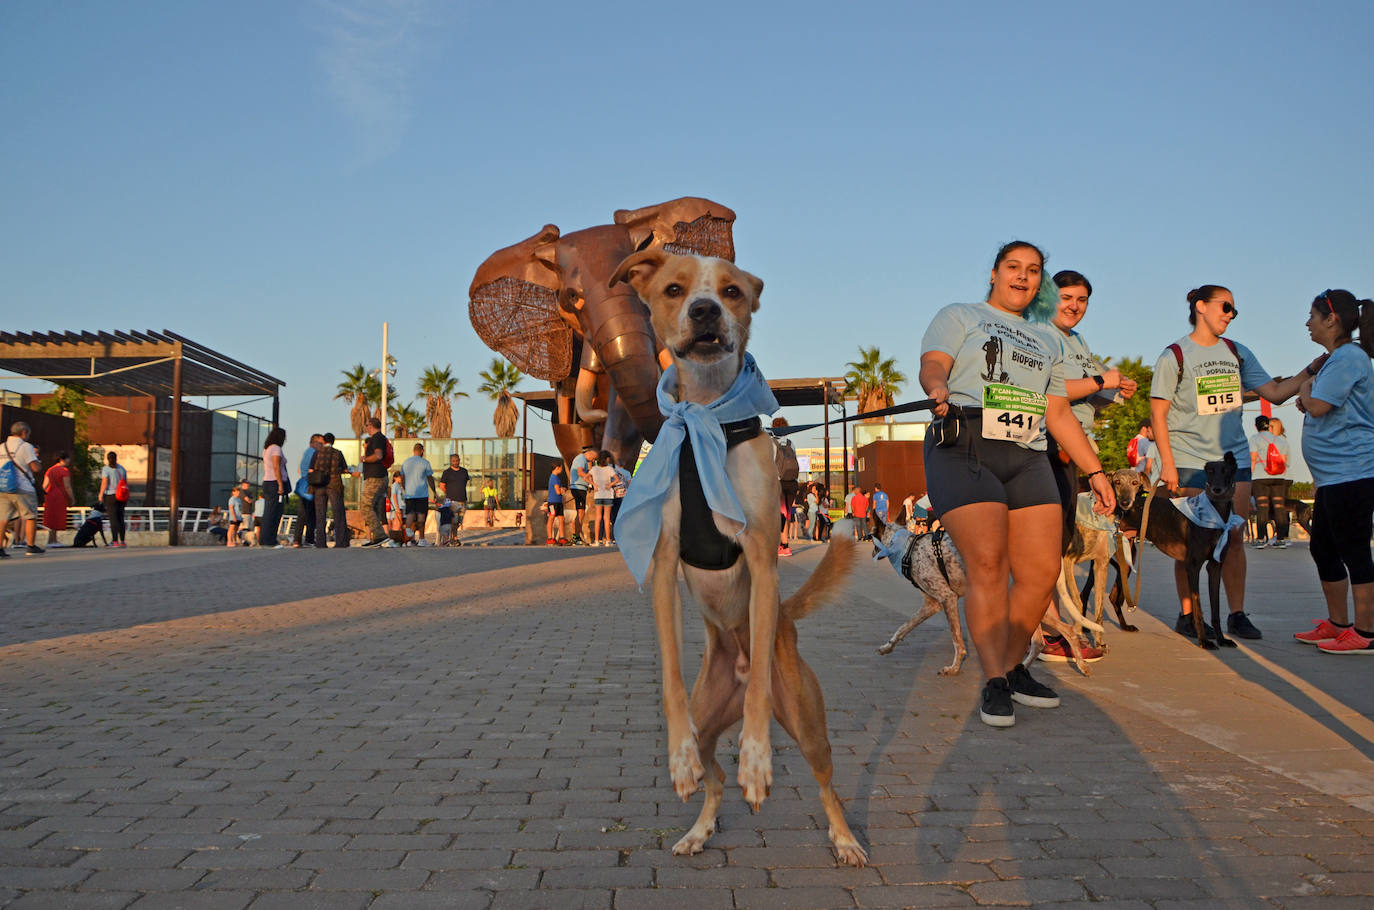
(422, 543)
(1273, 541)
(391, 543)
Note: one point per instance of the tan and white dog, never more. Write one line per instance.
(701, 310)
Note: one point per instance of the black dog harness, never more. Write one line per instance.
(701, 545)
(937, 538)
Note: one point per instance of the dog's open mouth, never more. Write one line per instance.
(706, 344)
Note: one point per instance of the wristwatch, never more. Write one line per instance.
(1097, 378)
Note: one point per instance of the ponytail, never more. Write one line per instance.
(1367, 325)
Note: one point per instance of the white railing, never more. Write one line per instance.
(155, 518)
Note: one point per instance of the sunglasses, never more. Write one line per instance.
(1229, 308)
(1325, 296)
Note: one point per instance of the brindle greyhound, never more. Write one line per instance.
(1183, 541)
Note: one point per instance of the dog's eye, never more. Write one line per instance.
(673, 290)
(730, 291)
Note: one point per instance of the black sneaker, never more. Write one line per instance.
(996, 709)
(1239, 625)
(1184, 626)
(1026, 691)
(31, 550)
(376, 542)
(3, 554)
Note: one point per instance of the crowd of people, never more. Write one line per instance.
(1016, 389)
(593, 472)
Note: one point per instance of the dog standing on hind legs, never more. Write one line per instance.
(719, 526)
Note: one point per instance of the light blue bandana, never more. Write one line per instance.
(641, 511)
(1088, 518)
(1200, 511)
(895, 552)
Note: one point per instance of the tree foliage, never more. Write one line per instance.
(498, 381)
(406, 421)
(1117, 423)
(85, 462)
(873, 380)
(439, 387)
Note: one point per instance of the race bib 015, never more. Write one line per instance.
(1218, 394)
(1012, 413)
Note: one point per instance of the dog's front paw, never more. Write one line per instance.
(1130, 628)
(755, 771)
(848, 851)
(694, 840)
(1226, 642)
(1209, 645)
(684, 764)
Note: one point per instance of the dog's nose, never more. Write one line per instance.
(703, 309)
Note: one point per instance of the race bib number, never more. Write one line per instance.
(1218, 394)
(1012, 413)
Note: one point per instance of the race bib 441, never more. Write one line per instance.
(1218, 394)
(1012, 413)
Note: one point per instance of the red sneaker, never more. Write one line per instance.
(784, 550)
(1325, 630)
(1349, 642)
(549, 542)
(1057, 651)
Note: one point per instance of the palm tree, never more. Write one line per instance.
(358, 389)
(498, 381)
(407, 422)
(439, 387)
(874, 381)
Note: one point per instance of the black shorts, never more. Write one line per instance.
(987, 470)
(789, 492)
(555, 508)
(418, 507)
(580, 497)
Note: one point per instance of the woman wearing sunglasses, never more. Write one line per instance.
(1338, 446)
(1195, 401)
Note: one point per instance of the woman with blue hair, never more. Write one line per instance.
(996, 373)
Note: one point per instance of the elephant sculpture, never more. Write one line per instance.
(547, 305)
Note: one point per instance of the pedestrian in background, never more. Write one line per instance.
(622, 486)
(114, 493)
(19, 499)
(419, 483)
(455, 480)
(326, 485)
(58, 496)
(1269, 467)
(275, 486)
(374, 467)
(305, 507)
(490, 499)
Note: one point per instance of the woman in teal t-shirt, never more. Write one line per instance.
(1195, 399)
(993, 489)
(1337, 400)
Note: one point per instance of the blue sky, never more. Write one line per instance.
(273, 179)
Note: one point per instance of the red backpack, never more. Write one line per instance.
(1274, 462)
(389, 458)
(1133, 451)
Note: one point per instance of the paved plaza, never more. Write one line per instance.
(481, 728)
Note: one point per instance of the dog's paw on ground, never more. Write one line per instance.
(684, 764)
(694, 840)
(848, 851)
(755, 770)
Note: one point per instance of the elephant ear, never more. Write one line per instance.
(513, 305)
(687, 225)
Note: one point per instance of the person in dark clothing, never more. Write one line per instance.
(329, 495)
(375, 482)
(455, 483)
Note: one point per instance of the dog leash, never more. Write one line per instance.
(1140, 550)
(925, 404)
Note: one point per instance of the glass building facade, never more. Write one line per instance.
(494, 458)
(235, 451)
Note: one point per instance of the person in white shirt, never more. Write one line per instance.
(19, 461)
(1271, 481)
(604, 478)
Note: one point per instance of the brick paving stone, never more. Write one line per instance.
(143, 879)
(787, 898)
(912, 896)
(1026, 891)
(674, 899)
(195, 900)
(424, 900)
(306, 900)
(72, 900)
(562, 899)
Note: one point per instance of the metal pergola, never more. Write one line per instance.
(825, 391)
(158, 364)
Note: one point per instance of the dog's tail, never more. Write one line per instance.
(826, 580)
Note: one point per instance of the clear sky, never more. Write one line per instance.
(274, 179)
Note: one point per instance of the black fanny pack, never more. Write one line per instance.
(952, 429)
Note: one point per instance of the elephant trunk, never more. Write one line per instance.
(624, 343)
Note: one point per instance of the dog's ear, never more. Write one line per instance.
(637, 268)
(756, 283)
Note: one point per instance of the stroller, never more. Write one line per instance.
(93, 525)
